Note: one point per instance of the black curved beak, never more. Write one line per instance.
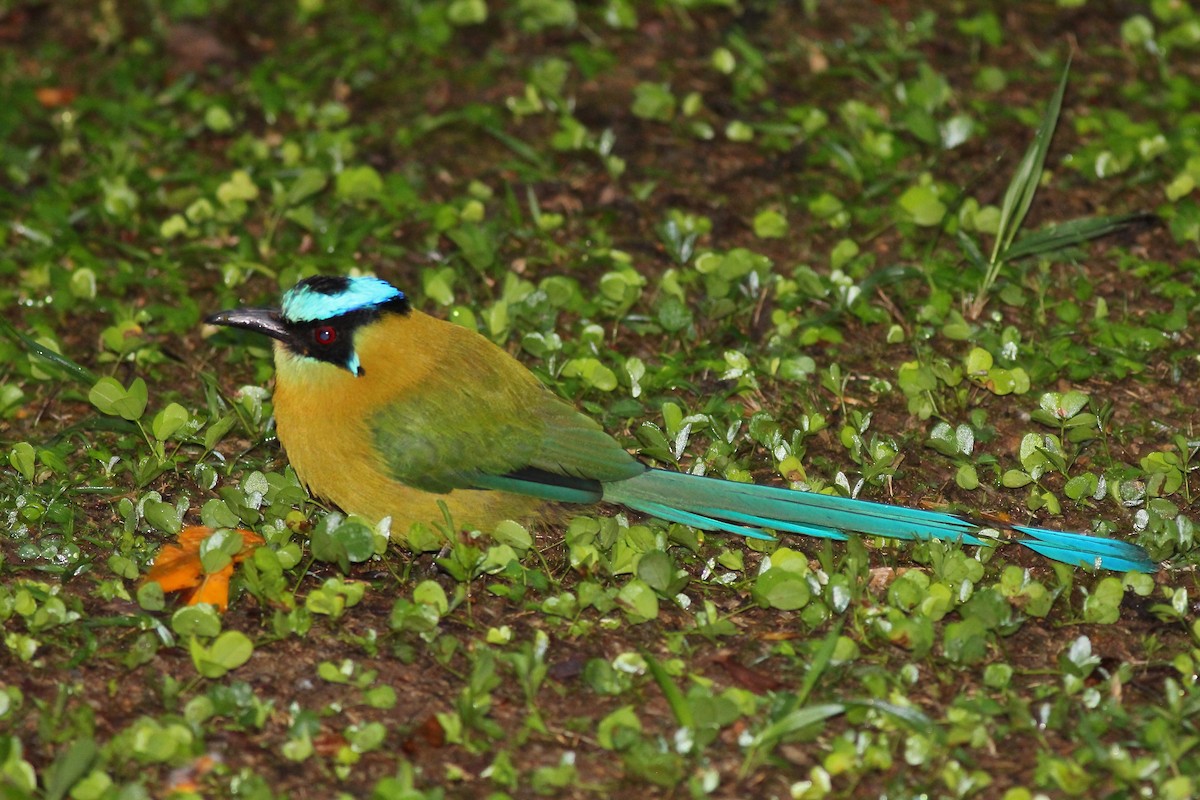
(266, 321)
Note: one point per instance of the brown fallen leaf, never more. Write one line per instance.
(748, 678)
(194, 47)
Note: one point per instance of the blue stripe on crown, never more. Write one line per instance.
(303, 303)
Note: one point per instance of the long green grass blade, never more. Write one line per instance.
(1021, 190)
(1066, 234)
(673, 694)
(51, 358)
(913, 717)
(797, 720)
(816, 668)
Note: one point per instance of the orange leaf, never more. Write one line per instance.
(251, 541)
(178, 568)
(175, 568)
(55, 96)
(214, 589)
(191, 537)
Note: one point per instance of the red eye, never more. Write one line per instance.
(325, 335)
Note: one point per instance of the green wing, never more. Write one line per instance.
(497, 434)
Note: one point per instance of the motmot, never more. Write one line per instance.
(386, 411)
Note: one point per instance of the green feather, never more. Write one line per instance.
(489, 446)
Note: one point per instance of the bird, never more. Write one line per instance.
(385, 411)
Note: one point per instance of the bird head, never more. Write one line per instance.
(318, 317)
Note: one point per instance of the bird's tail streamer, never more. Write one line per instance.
(750, 510)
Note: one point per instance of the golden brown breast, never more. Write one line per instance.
(322, 414)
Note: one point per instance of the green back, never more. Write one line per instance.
(471, 435)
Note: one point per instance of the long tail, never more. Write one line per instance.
(747, 508)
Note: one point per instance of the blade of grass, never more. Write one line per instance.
(914, 718)
(972, 251)
(1021, 190)
(675, 699)
(1019, 195)
(798, 720)
(52, 359)
(69, 767)
(891, 274)
(784, 726)
(1066, 234)
(517, 146)
(816, 667)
